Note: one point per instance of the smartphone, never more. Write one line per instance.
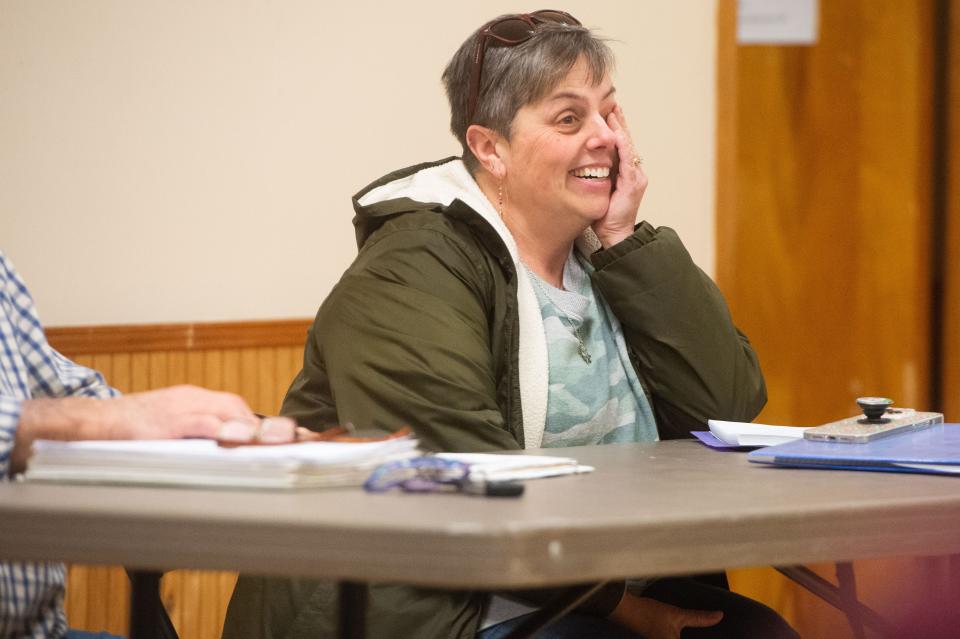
(859, 430)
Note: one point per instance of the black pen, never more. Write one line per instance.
(477, 486)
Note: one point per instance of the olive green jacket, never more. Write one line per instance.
(434, 326)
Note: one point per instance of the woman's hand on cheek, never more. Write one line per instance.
(618, 223)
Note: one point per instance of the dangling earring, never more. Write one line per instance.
(500, 199)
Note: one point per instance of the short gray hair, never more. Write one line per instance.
(516, 76)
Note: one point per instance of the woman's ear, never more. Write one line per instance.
(483, 142)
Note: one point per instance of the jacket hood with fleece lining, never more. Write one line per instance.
(443, 183)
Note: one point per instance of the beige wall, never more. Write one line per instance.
(194, 161)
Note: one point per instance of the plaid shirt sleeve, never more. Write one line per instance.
(31, 594)
(29, 367)
(9, 416)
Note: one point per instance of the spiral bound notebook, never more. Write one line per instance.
(933, 450)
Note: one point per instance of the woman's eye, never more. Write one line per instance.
(568, 120)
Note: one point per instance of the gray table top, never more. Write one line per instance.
(648, 509)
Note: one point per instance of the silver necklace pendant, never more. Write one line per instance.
(581, 345)
(582, 348)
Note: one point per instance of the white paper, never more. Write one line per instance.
(201, 462)
(777, 21)
(747, 434)
(949, 469)
(194, 451)
(496, 467)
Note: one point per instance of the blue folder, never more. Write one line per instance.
(935, 449)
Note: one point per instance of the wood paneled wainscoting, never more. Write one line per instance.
(256, 360)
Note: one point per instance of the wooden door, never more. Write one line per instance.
(951, 274)
(825, 226)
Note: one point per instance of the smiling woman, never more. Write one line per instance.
(508, 299)
(557, 169)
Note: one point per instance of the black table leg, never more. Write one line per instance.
(145, 606)
(858, 614)
(847, 585)
(147, 613)
(353, 610)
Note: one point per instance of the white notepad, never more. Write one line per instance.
(499, 467)
(201, 462)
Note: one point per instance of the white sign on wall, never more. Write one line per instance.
(777, 21)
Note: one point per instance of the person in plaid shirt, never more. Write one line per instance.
(43, 395)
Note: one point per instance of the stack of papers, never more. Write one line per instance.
(745, 435)
(201, 462)
(494, 467)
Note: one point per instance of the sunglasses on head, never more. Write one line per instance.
(509, 31)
